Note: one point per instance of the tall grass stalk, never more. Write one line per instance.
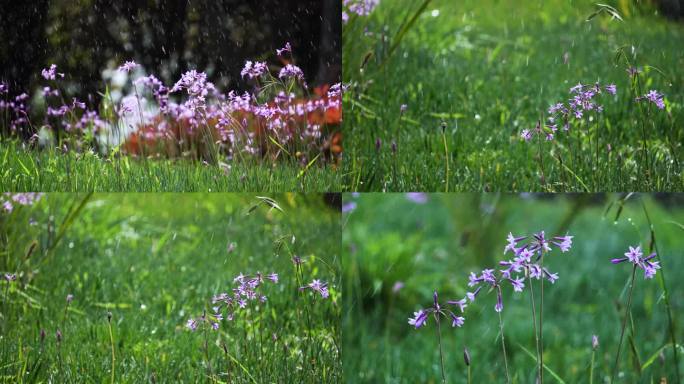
(666, 294)
(111, 341)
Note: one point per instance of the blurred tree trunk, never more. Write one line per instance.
(673, 9)
(23, 43)
(330, 56)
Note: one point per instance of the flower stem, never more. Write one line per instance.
(591, 368)
(541, 321)
(446, 159)
(624, 324)
(206, 348)
(441, 355)
(503, 347)
(534, 324)
(111, 341)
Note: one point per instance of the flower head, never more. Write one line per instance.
(419, 318)
(253, 70)
(291, 71)
(318, 286)
(286, 49)
(128, 66)
(635, 256)
(51, 73)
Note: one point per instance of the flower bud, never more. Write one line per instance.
(466, 356)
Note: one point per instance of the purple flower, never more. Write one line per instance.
(286, 49)
(291, 71)
(420, 318)
(397, 287)
(518, 284)
(357, 7)
(191, 324)
(635, 256)
(348, 207)
(69, 298)
(273, 277)
(417, 197)
(498, 307)
(462, 304)
(457, 321)
(128, 66)
(317, 286)
(594, 342)
(611, 88)
(10, 276)
(564, 243)
(577, 88)
(254, 69)
(49, 73)
(526, 134)
(654, 97)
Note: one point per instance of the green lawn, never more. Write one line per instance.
(50, 170)
(485, 70)
(154, 261)
(434, 246)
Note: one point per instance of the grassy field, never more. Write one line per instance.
(397, 252)
(140, 266)
(474, 75)
(29, 170)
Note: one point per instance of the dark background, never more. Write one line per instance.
(83, 37)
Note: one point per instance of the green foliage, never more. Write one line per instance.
(489, 69)
(31, 170)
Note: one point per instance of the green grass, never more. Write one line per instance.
(489, 69)
(51, 170)
(434, 246)
(153, 261)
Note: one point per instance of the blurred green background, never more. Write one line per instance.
(154, 261)
(433, 245)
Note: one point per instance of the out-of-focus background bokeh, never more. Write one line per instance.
(399, 248)
(89, 38)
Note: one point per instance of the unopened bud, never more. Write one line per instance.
(466, 356)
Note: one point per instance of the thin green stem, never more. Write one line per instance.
(446, 159)
(541, 320)
(503, 347)
(534, 325)
(441, 355)
(624, 324)
(591, 368)
(206, 348)
(111, 341)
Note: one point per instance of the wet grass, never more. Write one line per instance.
(434, 246)
(153, 261)
(489, 69)
(51, 170)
